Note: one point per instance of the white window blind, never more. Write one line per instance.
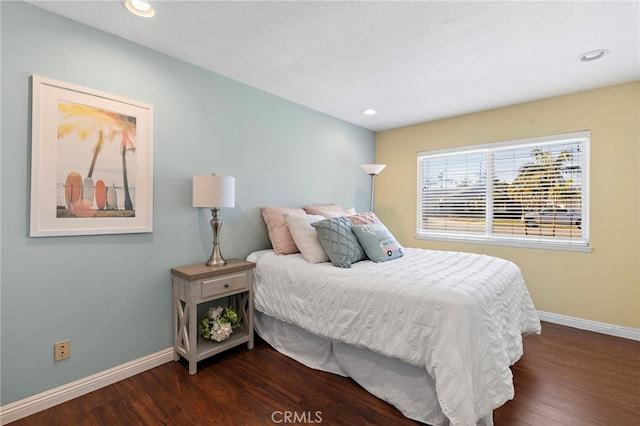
(531, 192)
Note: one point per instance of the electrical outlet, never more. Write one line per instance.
(61, 350)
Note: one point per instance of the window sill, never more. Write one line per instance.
(576, 246)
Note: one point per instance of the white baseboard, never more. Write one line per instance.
(598, 327)
(42, 401)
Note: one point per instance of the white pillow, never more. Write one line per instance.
(306, 237)
(332, 214)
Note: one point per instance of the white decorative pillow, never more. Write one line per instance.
(306, 237)
(315, 209)
(328, 214)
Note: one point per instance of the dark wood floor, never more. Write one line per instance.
(566, 377)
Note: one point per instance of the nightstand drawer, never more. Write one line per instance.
(223, 285)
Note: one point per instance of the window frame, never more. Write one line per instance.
(488, 237)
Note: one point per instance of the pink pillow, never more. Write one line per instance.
(328, 208)
(279, 234)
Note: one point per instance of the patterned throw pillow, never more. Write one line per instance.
(339, 242)
(377, 242)
(364, 218)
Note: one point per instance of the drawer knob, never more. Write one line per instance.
(226, 285)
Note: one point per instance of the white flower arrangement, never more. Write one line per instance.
(218, 323)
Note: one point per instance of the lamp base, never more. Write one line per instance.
(216, 258)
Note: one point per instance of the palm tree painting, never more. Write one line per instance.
(94, 143)
(127, 143)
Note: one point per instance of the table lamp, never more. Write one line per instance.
(214, 192)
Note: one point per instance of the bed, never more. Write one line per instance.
(431, 332)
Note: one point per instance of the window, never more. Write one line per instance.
(531, 193)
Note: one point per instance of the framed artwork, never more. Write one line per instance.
(91, 162)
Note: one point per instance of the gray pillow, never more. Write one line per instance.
(339, 242)
(377, 242)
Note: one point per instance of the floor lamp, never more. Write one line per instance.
(214, 192)
(372, 170)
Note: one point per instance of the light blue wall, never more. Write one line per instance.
(111, 294)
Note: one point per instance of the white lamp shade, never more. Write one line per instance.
(373, 169)
(214, 191)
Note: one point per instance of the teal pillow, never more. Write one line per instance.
(337, 240)
(377, 242)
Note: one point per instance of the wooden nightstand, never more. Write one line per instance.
(195, 284)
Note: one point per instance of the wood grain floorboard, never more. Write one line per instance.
(566, 377)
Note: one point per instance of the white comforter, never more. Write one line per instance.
(459, 315)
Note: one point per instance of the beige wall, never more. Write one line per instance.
(603, 285)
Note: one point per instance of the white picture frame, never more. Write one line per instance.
(91, 162)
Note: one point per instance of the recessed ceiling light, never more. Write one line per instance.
(140, 8)
(369, 111)
(593, 55)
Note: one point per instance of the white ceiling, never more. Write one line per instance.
(412, 61)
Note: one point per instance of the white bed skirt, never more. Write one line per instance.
(408, 388)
